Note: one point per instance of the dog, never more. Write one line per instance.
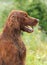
(12, 48)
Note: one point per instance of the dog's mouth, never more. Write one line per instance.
(29, 29)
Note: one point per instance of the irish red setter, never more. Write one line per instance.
(12, 48)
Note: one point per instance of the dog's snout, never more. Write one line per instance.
(36, 20)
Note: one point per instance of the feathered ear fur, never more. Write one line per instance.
(12, 21)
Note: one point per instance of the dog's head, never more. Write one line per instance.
(21, 21)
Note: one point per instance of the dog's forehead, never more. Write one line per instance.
(18, 12)
(21, 12)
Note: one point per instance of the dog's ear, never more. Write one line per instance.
(13, 22)
(11, 19)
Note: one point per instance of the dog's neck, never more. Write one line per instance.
(11, 33)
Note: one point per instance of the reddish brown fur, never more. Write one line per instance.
(12, 48)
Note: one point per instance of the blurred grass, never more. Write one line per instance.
(36, 44)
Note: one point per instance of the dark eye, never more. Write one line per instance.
(25, 15)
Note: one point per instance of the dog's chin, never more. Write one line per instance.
(29, 29)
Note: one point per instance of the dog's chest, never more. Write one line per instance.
(21, 48)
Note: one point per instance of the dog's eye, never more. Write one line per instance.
(25, 15)
(12, 16)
